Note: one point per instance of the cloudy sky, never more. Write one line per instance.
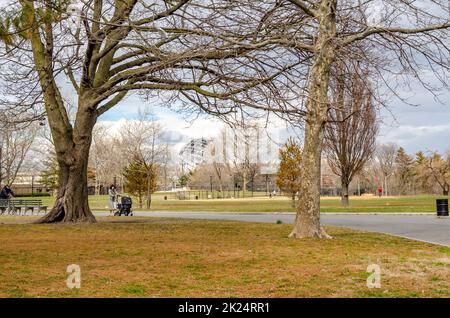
(423, 127)
(179, 128)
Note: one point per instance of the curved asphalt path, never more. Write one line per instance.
(427, 228)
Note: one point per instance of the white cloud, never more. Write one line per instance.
(415, 138)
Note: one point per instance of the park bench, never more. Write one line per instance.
(17, 206)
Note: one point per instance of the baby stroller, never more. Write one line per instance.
(124, 206)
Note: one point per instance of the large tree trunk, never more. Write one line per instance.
(149, 201)
(72, 152)
(72, 142)
(149, 193)
(71, 204)
(307, 221)
(344, 194)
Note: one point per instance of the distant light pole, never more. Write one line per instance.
(234, 185)
(1, 160)
(32, 185)
(359, 187)
(267, 184)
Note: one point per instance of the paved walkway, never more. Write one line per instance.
(426, 228)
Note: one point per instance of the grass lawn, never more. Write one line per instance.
(419, 203)
(143, 257)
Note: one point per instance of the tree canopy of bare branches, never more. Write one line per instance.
(202, 52)
(385, 156)
(352, 128)
(15, 143)
(439, 168)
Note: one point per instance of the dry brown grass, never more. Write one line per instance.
(192, 258)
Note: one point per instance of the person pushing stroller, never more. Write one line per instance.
(118, 208)
(112, 201)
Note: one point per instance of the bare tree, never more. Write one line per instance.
(105, 156)
(203, 177)
(164, 166)
(439, 169)
(352, 129)
(404, 36)
(15, 143)
(243, 160)
(117, 47)
(385, 156)
(220, 170)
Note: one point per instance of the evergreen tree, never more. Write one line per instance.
(288, 174)
(420, 158)
(49, 176)
(421, 172)
(405, 171)
(184, 179)
(140, 179)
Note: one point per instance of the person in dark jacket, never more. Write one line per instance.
(6, 193)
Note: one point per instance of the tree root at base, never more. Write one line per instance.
(58, 215)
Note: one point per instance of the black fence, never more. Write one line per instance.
(229, 194)
(215, 194)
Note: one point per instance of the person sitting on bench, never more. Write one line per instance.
(6, 193)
